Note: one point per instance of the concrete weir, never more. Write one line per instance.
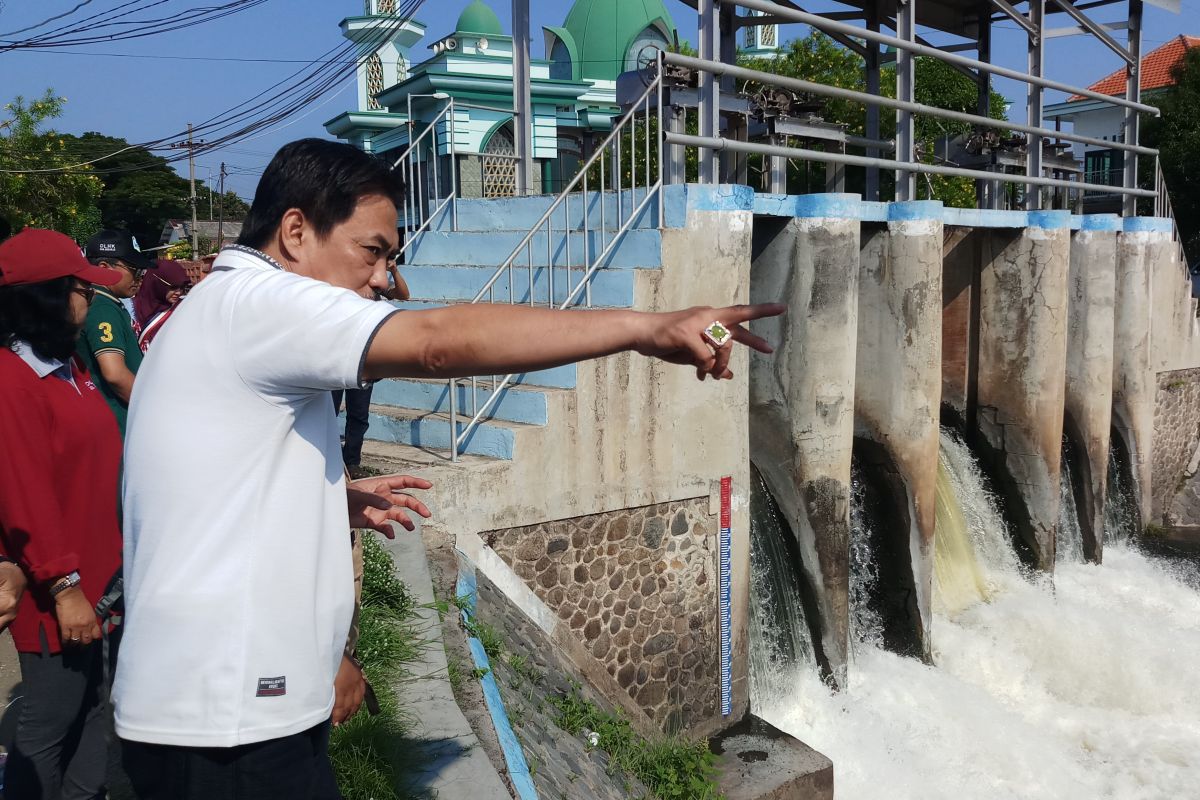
(1022, 373)
(896, 407)
(1087, 415)
(1143, 245)
(806, 254)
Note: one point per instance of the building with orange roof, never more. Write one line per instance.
(1102, 121)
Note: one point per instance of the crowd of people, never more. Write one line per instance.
(191, 588)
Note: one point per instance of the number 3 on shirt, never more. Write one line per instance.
(106, 333)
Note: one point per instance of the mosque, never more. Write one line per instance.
(573, 91)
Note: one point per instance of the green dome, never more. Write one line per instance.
(604, 31)
(478, 18)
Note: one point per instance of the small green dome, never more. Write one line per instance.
(603, 31)
(479, 18)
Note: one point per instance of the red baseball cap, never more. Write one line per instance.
(35, 256)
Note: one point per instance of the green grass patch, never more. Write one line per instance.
(372, 755)
(672, 768)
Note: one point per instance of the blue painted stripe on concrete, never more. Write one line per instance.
(514, 756)
(433, 433)
(675, 204)
(527, 406)
(612, 288)
(1147, 225)
(1050, 219)
(873, 211)
(637, 249)
(1099, 222)
(812, 206)
(915, 210)
(720, 197)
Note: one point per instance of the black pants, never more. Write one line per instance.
(358, 419)
(61, 745)
(294, 767)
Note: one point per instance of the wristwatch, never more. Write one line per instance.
(64, 583)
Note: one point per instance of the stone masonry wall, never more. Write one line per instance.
(1176, 435)
(638, 587)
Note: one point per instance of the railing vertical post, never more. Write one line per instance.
(453, 169)
(1033, 100)
(663, 156)
(1133, 91)
(906, 145)
(985, 190)
(710, 93)
(453, 420)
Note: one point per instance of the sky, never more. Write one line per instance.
(150, 88)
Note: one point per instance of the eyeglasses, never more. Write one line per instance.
(138, 274)
(88, 293)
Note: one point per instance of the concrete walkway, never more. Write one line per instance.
(457, 768)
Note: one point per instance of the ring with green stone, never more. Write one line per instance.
(717, 335)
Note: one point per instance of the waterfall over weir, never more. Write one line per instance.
(1083, 689)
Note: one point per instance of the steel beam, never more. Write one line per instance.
(906, 137)
(1015, 16)
(871, 129)
(522, 99)
(1093, 28)
(1033, 101)
(710, 89)
(986, 192)
(1133, 92)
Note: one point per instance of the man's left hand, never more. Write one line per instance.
(349, 689)
(374, 502)
(12, 587)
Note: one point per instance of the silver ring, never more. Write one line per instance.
(74, 638)
(717, 335)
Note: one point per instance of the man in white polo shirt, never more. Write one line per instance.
(237, 565)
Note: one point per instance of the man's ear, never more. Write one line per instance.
(293, 228)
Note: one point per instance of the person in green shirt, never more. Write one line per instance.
(109, 342)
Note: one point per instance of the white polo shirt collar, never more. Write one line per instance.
(44, 367)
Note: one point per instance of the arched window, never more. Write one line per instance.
(386, 7)
(374, 80)
(500, 174)
(649, 36)
(560, 62)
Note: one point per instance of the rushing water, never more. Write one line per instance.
(866, 624)
(1083, 689)
(1120, 507)
(1069, 544)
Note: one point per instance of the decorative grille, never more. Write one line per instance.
(499, 173)
(768, 35)
(374, 80)
(387, 6)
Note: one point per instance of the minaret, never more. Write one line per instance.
(384, 40)
(761, 41)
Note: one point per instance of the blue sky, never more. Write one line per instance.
(152, 87)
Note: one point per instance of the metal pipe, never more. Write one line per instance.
(826, 25)
(864, 161)
(800, 85)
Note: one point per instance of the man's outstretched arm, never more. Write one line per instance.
(486, 339)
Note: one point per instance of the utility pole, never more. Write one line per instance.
(191, 145)
(221, 224)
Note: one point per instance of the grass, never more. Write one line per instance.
(672, 768)
(372, 755)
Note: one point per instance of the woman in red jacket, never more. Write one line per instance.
(58, 515)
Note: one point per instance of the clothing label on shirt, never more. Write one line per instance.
(272, 687)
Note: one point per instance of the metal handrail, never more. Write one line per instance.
(592, 258)
(1163, 208)
(417, 216)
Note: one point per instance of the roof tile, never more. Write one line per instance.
(1156, 68)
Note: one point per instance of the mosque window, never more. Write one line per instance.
(767, 35)
(499, 166)
(374, 80)
(401, 70)
(635, 58)
(387, 6)
(560, 62)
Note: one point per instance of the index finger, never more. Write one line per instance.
(406, 482)
(732, 315)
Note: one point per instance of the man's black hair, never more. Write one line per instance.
(323, 179)
(40, 314)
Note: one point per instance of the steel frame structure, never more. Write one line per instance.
(970, 19)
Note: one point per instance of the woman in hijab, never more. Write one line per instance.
(161, 291)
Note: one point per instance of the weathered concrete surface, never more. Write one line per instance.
(1176, 490)
(760, 762)
(455, 766)
(960, 334)
(1134, 385)
(1022, 374)
(633, 433)
(1088, 408)
(802, 403)
(897, 398)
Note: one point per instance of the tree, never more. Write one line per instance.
(1176, 135)
(36, 187)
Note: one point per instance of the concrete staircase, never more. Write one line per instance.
(450, 266)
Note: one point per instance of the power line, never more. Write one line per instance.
(160, 57)
(49, 20)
